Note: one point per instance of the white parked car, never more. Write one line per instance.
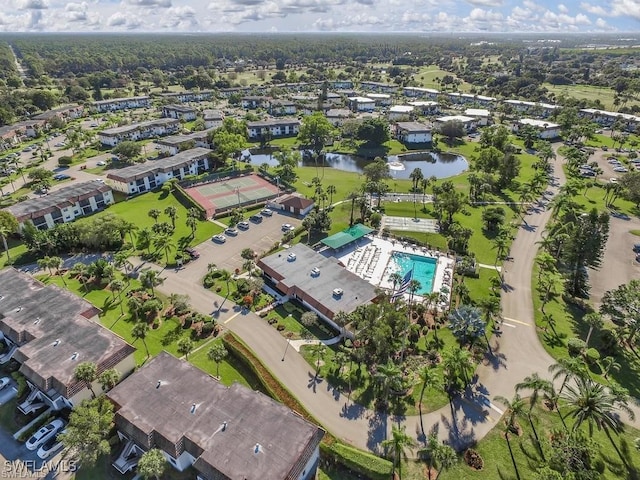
(219, 238)
(101, 163)
(621, 169)
(244, 225)
(45, 433)
(4, 381)
(287, 227)
(50, 447)
(266, 212)
(232, 232)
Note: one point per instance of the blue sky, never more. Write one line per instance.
(320, 15)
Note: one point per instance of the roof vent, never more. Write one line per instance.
(19, 309)
(56, 342)
(315, 272)
(1, 297)
(291, 257)
(193, 408)
(224, 426)
(36, 321)
(257, 448)
(158, 384)
(74, 356)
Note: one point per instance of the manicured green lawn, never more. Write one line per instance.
(162, 338)
(498, 465)
(289, 316)
(587, 92)
(137, 209)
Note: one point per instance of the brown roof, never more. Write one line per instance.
(233, 432)
(295, 201)
(51, 325)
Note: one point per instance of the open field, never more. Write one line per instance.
(588, 92)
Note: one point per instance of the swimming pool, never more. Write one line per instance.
(424, 269)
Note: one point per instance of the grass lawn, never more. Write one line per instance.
(498, 465)
(587, 92)
(289, 316)
(136, 211)
(8, 416)
(426, 77)
(164, 337)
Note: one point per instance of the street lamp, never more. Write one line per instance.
(237, 189)
(286, 348)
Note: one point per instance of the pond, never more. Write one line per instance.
(440, 165)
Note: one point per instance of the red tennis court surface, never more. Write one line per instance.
(226, 194)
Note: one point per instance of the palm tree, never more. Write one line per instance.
(388, 376)
(248, 266)
(590, 402)
(109, 379)
(145, 237)
(446, 457)
(536, 385)
(318, 350)
(342, 319)
(86, 372)
(150, 279)
(217, 353)
(397, 445)
(457, 365)
(570, 368)
(121, 260)
(128, 227)
(331, 189)
(192, 223)
(172, 212)
(139, 332)
(429, 378)
(163, 243)
(155, 214)
(515, 409)
(81, 272)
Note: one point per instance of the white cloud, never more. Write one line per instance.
(563, 8)
(150, 3)
(595, 9)
(486, 3)
(117, 20)
(33, 5)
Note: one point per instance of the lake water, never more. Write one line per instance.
(440, 165)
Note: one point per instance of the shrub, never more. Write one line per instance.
(608, 342)
(280, 327)
(22, 383)
(208, 281)
(473, 459)
(65, 161)
(207, 329)
(576, 346)
(357, 461)
(592, 356)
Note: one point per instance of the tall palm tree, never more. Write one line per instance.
(150, 279)
(515, 409)
(164, 243)
(590, 402)
(331, 189)
(172, 212)
(569, 367)
(397, 446)
(192, 223)
(155, 214)
(446, 457)
(536, 385)
(144, 239)
(594, 320)
(429, 378)
(139, 332)
(128, 227)
(87, 372)
(217, 353)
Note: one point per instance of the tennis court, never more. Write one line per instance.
(225, 194)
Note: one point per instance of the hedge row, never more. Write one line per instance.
(184, 198)
(358, 461)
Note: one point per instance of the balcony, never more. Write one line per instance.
(128, 458)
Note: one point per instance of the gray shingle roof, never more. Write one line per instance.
(162, 416)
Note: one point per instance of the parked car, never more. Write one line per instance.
(192, 252)
(636, 248)
(219, 238)
(4, 381)
(287, 227)
(244, 225)
(613, 180)
(266, 212)
(45, 433)
(587, 173)
(101, 163)
(27, 149)
(232, 232)
(61, 176)
(256, 218)
(60, 144)
(49, 447)
(621, 169)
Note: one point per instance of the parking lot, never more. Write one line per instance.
(259, 237)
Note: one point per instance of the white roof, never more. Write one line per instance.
(420, 89)
(459, 118)
(401, 109)
(422, 103)
(477, 112)
(539, 123)
(361, 100)
(379, 96)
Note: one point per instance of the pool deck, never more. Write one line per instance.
(370, 256)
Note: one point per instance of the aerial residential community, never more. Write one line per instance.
(274, 257)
